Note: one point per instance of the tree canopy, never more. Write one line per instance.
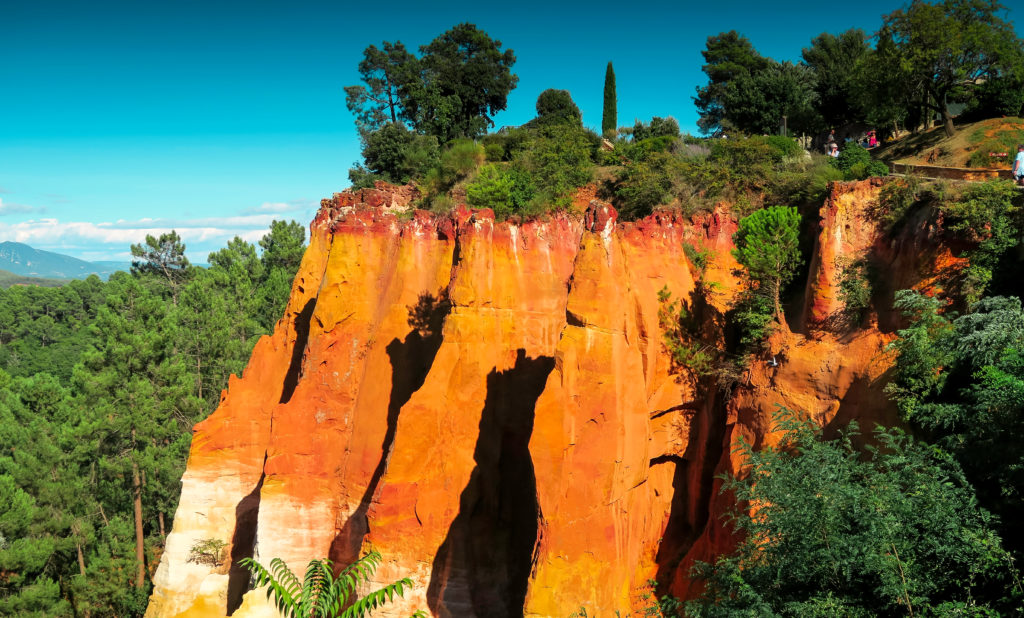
(727, 56)
(761, 101)
(926, 57)
(767, 245)
(387, 74)
(948, 48)
(833, 61)
(831, 530)
(461, 79)
(557, 106)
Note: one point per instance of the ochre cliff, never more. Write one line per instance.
(490, 406)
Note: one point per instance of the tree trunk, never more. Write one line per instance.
(81, 570)
(140, 553)
(947, 122)
(160, 519)
(81, 559)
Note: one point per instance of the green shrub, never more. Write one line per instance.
(895, 199)
(854, 155)
(496, 146)
(494, 152)
(788, 146)
(877, 168)
(644, 184)
(640, 150)
(557, 107)
(743, 154)
(708, 178)
(699, 257)
(207, 551)
(559, 159)
(459, 160)
(507, 190)
(861, 170)
(657, 127)
(396, 154)
(856, 288)
(829, 530)
(985, 215)
(680, 337)
(805, 183)
(439, 203)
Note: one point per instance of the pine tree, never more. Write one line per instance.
(609, 120)
(282, 247)
(42, 500)
(137, 408)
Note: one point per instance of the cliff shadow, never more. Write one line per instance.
(291, 379)
(483, 566)
(411, 360)
(693, 485)
(693, 477)
(866, 403)
(243, 544)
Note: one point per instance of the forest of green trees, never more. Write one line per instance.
(100, 385)
(102, 382)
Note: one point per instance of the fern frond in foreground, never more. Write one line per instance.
(321, 594)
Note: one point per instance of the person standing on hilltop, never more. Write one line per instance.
(1018, 165)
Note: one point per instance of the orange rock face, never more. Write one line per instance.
(491, 406)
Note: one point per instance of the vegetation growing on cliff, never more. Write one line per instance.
(830, 529)
(957, 382)
(100, 385)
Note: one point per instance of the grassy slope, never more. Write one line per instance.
(968, 148)
(7, 279)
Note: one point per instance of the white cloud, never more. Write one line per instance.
(281, 207)
(10, 208)
(110, 240)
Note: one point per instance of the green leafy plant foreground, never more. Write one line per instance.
(320, 593)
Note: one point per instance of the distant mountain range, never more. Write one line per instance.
(7, 279)
(23, 260)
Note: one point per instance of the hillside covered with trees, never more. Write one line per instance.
(100, 385)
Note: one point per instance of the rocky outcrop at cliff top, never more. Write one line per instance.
(490, 406)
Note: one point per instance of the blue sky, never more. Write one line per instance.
(119, 119)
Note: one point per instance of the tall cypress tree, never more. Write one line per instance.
(609, 120)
